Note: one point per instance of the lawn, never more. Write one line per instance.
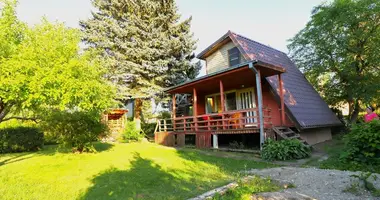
(120, 171)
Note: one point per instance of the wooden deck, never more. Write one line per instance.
(228, 122)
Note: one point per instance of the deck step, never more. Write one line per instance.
(287, 133)
(295, 137)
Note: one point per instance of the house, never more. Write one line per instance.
(251, 92)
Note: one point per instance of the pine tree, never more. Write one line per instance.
(143, 43)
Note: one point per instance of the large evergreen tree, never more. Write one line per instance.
(144, 44)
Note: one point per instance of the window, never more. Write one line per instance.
(231, 101)
(234, 56)
(213, 102)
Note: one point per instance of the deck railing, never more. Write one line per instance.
(229, 120)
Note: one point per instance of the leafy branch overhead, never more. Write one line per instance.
(339, 52)
(41, 68)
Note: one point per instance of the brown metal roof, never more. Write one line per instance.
(302, 101)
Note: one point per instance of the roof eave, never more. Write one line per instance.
(204, 52)
(170, 89)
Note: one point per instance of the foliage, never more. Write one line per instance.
(338, 51)
(236, 145)
(117, 172)
(288, 149)
(20, 139)
(145, 45)
(364, 181)
(77, 130)
(131, 132)
(246, 188)
(362, 144)
(147, 110)
(148, 129)
(164, 115)
(41, 68)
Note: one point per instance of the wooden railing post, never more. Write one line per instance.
(195, 109)
(174, 111)
(184, 125)
(221, 87)
(281, 88)
(165, 128)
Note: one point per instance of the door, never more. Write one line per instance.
(246, 100)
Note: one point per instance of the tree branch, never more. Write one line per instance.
(20, 118)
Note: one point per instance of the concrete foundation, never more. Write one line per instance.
(316, 135)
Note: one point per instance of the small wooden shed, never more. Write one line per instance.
(115, 119)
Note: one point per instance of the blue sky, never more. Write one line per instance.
(271, 22)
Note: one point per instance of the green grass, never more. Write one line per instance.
(246, 188)
(121, 171)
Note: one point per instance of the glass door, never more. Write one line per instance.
(246, 100)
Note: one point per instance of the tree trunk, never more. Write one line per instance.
(138, 112)
(355, 112)
(4, 110)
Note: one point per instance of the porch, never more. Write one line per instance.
(227, 102)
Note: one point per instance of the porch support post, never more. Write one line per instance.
(195, 108)
(221, 94)
(260, 102)
(221, 87)
(174, 111)
(215, 141)
(281, 88)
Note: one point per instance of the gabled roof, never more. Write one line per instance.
(305, 106)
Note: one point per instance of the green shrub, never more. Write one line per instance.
(164, 115)
(148, 128)
(131, 132)
(284, 150)
(362, 144)
(20, 139)
(76, 130)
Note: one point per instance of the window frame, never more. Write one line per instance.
(238, 56)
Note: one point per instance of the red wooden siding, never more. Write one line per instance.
(201, 104)
(164, 138)
(270, 102)
(203, 140)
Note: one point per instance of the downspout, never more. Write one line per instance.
(260, 101)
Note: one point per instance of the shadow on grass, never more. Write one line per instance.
(17, 158)
(100, 147)
(228, 164)
(144, 180)
(53, 149)
(49, 150)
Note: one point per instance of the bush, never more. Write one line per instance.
(148, 128)
(362, 144)
(285, 150)
(76, 130)
(164, 115)
(20, 139)
(131, 132)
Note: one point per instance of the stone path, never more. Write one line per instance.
(312, 183)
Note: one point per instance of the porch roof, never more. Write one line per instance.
(238, 75)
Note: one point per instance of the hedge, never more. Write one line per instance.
(20, 139)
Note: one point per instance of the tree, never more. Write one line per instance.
(41, 69)
(339, 52)
(144, 43)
